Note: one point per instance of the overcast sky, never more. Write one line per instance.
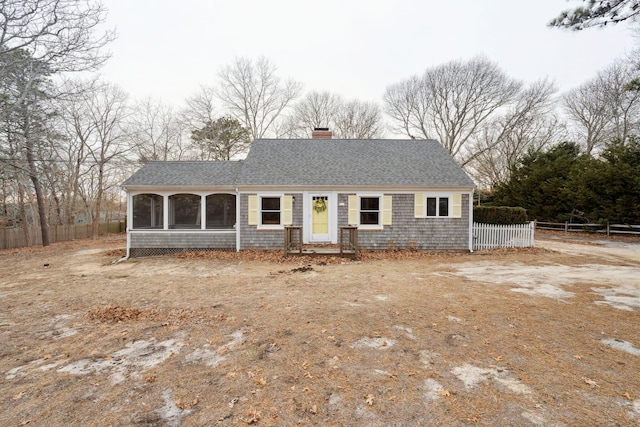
(167, 48)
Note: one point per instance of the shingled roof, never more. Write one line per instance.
(186, 173)
(333, 162)
(318, 162)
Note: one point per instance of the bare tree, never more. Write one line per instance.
(316, 109)
(200, 108)
(99, 123)
(78, 131)
(61, 33)
(530, 124)
(156, 132)
(359, 120)
(403, 103)
(623, 101)
(603, 108)
(353, 119)
(56, 35)
(451, 102)
(253, 93)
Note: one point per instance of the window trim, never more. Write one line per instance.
(263, 226)
(437, 196)
(285, 213)
(379, 225)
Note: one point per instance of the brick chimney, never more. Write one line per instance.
(321, 133)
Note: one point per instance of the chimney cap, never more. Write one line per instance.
(321, 133)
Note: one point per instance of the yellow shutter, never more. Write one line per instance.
(456, 205)
(253, 210)
(287, 210)
(387, 210)
(418, 206)
(354, 210)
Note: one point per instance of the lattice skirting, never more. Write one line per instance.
(149, 252)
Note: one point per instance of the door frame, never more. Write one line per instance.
(307, 224)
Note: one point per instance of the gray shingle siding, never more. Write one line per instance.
(407, 232)
(253, 238)
(176, 239)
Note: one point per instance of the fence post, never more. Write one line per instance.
(566, 226)
(608, 230)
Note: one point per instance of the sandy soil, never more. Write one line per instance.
(540, 337)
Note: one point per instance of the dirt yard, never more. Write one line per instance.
(535, 337)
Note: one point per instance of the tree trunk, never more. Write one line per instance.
(23, 215)
(98, 205)
(42, 213)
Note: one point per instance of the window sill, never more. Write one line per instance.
(270, 227)
(370, 227)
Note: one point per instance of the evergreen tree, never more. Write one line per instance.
(608, 188)
(539, 183)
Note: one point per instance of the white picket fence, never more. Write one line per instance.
(491, 236)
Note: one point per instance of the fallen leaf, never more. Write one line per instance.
(497, 359)
(308, 375)
(627, 395)
(253, 417)
(369, 399)
(445, 393)
(150, 378)
(577, 357)
(592, 383)
(24, 423)
(314, 409)
(19, 395)
(262, 381)
(306, 389)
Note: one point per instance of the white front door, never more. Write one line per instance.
(320, 218)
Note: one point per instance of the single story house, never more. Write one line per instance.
(398, 193)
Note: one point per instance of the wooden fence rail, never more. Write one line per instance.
(608, 229)
(491, 236)
(14, 237)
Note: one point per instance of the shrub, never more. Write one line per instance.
(503, 215)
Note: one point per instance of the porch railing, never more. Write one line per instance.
(292, 240)
(349, 241)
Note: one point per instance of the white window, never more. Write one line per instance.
(369, 211)
(270, 211)
(434, 205)
(437, 206)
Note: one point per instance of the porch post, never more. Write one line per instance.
(237, 225)
(203, 212)
(165, 212)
